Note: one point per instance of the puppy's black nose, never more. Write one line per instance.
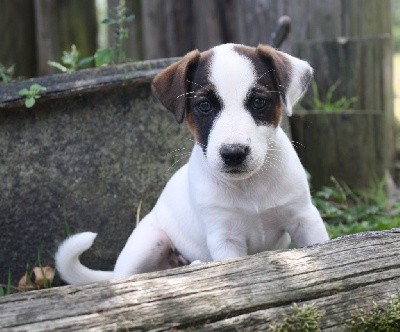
(234, 154)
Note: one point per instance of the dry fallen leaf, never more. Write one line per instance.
(42, 277)
(25, 284)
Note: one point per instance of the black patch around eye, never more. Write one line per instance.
(206, 103)
(205, 108)
(262, 108)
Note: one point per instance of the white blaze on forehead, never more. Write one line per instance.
(232, 75)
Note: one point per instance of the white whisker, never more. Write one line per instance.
(196, 84)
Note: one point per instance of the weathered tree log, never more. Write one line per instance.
(250, 293)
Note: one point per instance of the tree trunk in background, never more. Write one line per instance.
(61, 23)
(207, 22)
(349, 42)
(17, 35)
(167, 28)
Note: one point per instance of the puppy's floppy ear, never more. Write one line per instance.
(171, 84)
(292, 74)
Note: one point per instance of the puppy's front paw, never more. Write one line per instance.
(196, 262)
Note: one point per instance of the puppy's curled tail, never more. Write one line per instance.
(68, 265)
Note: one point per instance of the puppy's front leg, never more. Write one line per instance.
(306, 227)
(223, 243)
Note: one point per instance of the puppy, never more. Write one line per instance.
(243, 190)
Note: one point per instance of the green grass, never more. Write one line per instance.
(329, 104)
(6, 289)
(346, 211)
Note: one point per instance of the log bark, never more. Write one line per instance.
(243, 294)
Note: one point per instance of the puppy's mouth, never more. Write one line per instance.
(236, 173)
(235, 170)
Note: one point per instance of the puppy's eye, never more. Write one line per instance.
(204, 106)
(258, 103)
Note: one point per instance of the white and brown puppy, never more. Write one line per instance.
(243, 190)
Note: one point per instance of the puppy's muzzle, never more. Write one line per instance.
(234, 155)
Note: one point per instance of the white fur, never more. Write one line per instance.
(68, 264)
(208, 215)
(235, 125)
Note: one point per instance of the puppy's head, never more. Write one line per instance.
(232, 97)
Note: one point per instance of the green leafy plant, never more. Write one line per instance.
(377, 319)
(328, 104)
(6, 73)
(301, 319)
(67, 229)
(70, 61)
(32, 94)
(116, 53)
(346, 211)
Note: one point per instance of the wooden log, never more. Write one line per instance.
(243, 294)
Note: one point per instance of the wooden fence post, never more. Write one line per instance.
(167, 28)
(17, 35)
(61, 23)
(134, 44)
(349, 43)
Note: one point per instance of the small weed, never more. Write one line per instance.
(68, 230)
(328, 104)
(7, 288)
(6, 74)
(32, 94)
(377, 319)
(70, 61)
(349, 212)
(45, 275)
(116, 53)
(301, 319)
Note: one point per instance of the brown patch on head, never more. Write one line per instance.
(293, 75)
(171, 85)
(182, 86)
(272, 78)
